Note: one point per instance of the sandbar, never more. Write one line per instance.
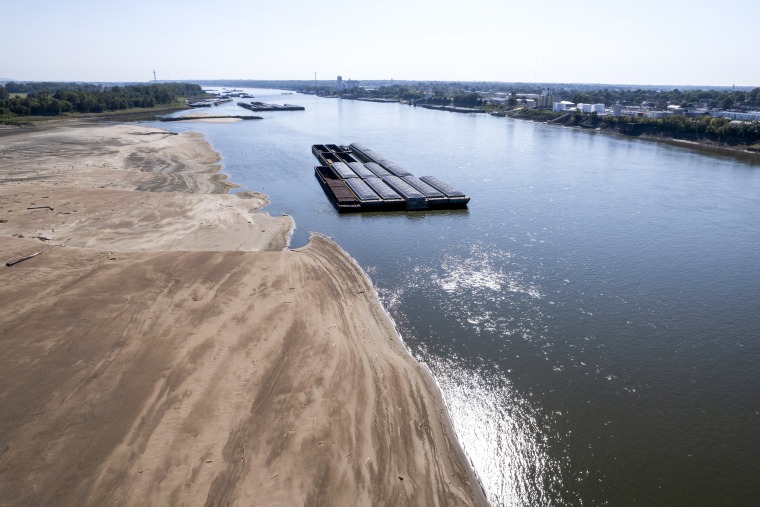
(166, 348)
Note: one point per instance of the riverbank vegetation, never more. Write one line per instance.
(660, 99)
(24, 100)
(626, 95)
(703, 129)
(699, 128)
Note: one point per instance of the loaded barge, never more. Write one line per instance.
(356, 178)
(263, 106)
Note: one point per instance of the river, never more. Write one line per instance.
(593, 317)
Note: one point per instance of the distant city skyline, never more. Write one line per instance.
(649, 43)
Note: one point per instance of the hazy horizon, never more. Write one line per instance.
(591, 42)
(323, 82)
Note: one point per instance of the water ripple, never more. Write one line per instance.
(499, 432)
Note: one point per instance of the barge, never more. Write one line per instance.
(208, 102)
(356, 178)
(263, 106)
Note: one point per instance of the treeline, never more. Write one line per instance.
(698, 128)
(442, 96)
(457, 93)
(396, 92)
(660, 99)
(458, 99)
(51, 99)
(51, 87)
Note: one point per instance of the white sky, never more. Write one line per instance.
(665, 42)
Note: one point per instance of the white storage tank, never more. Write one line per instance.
(564, 106)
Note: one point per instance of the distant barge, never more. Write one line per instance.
(208, 102)
(262, 106)
(355, 178)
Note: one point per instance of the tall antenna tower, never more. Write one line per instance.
(315, 79)
(154, 77)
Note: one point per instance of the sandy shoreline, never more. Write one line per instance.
(165, 349)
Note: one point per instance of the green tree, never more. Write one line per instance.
(754, 96)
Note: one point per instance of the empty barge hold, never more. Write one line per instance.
(358, 179)
(337, 189)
